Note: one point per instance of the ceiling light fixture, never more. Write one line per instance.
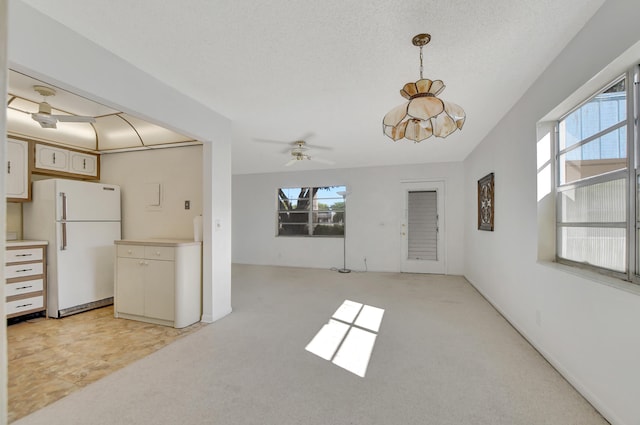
(424, 115)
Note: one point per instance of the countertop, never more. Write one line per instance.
(157, 242)
(23, 242)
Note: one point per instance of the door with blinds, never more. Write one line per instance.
(423, 228)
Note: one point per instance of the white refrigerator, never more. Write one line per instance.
(80, 220)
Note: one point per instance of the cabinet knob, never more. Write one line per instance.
(158, 253)
(129, 251)
(141, 263)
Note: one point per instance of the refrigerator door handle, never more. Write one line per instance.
(64, 237)
(64, 205)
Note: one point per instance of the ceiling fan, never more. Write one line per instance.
(44, 116)
(300, 152)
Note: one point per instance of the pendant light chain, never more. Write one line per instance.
(421, 62)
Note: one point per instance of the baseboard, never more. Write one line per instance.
(578, 385)
(210, 318)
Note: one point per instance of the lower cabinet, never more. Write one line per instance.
(26, 278)
(158, 281)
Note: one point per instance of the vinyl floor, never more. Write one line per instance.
(51, 358)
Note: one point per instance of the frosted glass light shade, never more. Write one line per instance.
(424, 115)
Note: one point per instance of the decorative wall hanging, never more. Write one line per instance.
(485, 202)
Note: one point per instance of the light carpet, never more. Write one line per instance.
(443, 356)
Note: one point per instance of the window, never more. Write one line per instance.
(594, 175)
(311, 211)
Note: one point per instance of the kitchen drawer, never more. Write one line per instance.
(159, 253)
(130, 251)
(24, 287)
(24, 254)
(22, 270)
(25, 304)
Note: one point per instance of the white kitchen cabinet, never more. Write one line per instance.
(51, 158)
(26, 277)
(17, 183)
(59, 161)
(82, 163)
(158, 281)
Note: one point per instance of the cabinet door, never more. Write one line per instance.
(159, 290)
(130, 279)
(17, 181)
(50, 158)
(82, 163)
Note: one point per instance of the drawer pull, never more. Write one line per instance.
(24, 305)
(23, 270)
(24, 255)
(25, 287)
(158, 253)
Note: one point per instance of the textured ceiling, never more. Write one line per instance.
(332, 69)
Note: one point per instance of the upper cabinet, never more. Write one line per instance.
(17, 182)
(63, 162)
(84, 163)
(25, 157)
(51, 158)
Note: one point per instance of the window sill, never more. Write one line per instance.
(594, 277)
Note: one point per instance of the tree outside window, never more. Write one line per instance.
(311, 211)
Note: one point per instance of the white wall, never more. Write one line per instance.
(587, 329)
(4, 21)
(179, 172)
(374, 214)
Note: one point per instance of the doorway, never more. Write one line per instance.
(423, 228)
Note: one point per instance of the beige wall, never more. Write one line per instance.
(179, 173)
(14, 219)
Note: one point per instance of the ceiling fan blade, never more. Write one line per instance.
(291, 162)
(322, 160)
(73, 118)
(307, 136)
(319, 147)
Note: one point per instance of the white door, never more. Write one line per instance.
(130, 286)
(84, 201)
(81, 163)
(51, 158)
(422, 229)
(17, 178)
(85, 262)
(159, 299)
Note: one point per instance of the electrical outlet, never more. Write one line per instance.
(187, 205)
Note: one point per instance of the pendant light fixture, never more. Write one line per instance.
(424, 115)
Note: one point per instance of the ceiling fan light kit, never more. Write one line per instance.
(299, 153)
(424, 115)
(44, 116)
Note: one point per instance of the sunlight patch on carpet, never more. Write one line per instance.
(347, 340)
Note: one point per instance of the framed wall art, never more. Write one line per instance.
(486, 202)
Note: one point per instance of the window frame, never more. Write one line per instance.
(310, 213)
(631, 175)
